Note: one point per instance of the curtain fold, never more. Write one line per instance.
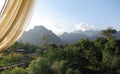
(14, 17)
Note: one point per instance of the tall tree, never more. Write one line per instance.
(46, 40)
(109, 33)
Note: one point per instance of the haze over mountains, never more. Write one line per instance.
(35, 36)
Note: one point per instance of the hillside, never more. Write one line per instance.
(35, 36)
(77, 35)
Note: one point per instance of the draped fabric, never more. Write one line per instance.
(14, 17)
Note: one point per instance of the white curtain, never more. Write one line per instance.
(14, 17)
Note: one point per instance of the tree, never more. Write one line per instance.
(46, 40)
(100, 43)
(71, 71)
(109, 33)
(19, 71)
(40, 66)
(58, 67)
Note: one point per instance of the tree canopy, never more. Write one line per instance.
(109, 32)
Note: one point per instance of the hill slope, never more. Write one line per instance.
(35, 36)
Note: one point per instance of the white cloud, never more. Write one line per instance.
(83, 26)
(58, 29)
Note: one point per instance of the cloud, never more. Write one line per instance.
(57, 29)
(83, 26)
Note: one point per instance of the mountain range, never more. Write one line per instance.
(36, 36)
(77, 35)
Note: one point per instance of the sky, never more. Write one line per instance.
(71, 15)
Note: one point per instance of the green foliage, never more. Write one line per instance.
(40, 66)
(6, 72)
(109, 33)
(58, 67)
(101, 56)
(71, 71)
(19, 71)
(29, 48)
(100, 42)
(13, 59)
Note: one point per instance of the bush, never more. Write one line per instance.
(40, 66)
(19, 71)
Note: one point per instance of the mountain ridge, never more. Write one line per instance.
(35, 36)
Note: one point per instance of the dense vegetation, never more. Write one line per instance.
(101, 56)
(10, 56)
(97, 57)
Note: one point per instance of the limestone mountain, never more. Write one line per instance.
(36, 36)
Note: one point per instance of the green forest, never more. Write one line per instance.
(101, 56)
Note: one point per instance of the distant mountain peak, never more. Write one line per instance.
(39, 28)
(35, 36)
